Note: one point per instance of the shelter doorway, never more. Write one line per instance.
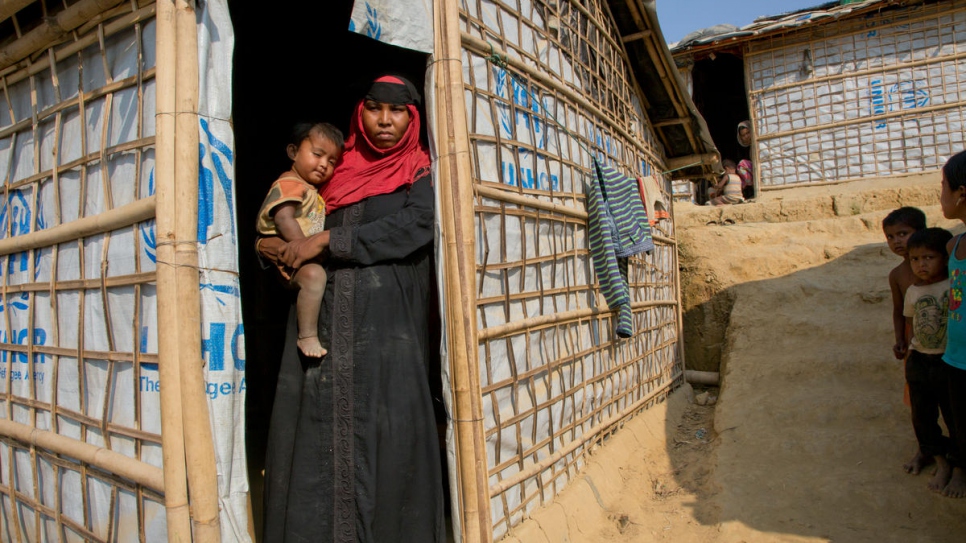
(291, 64)
(720, 95)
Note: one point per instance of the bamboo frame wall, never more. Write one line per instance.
(555, 381)
(876, 96)
(80, 442)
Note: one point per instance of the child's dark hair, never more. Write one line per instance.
(934, 239)
(728, 163)
(955, 170)
(301, 131)
(912, 217)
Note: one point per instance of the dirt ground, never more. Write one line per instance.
(809, 432)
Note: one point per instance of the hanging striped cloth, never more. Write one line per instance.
(618, 227)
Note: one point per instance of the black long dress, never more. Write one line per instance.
(353, 450)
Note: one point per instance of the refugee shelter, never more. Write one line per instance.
(136, 141)
(841, 91)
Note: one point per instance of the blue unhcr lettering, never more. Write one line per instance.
(206, 183)
(146, 228)
(215, 346)
(373, 28)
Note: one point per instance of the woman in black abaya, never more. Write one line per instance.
(353, 450)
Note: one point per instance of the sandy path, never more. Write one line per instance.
(812, 429)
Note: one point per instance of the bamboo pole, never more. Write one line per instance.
(169, 375)
(53, 29)
(9, 7)
(458, 247)
(753, 117)
(534, 470)
(135, 212)
(199, 446)
(99, 457)
(560, 317)
(22, 70)
(769, 188)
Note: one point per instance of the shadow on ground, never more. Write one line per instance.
(810, 431)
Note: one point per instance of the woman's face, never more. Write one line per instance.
(744, 136)
(385, 124)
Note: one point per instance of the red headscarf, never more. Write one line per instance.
(366, 170)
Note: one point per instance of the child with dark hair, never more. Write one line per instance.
(952, 199)
(925, 308)
(897, 226)
(293, 210)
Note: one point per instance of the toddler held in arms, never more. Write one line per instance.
(293, 210)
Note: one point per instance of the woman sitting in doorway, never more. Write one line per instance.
(353, 449)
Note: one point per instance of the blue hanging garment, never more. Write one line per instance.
(618, 228)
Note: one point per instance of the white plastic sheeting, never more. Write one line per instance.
(223, 333)
(95, 320)
(884, 100)
(405, 23)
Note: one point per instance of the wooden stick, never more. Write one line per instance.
(53, 30)
(135, 212)
(199, 445)
(455, 184)
(99, 457)
(556, 318)
(169, 373)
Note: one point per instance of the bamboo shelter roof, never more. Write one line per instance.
(688, 147)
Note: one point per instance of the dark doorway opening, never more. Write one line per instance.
(295, 63)
(720, 95)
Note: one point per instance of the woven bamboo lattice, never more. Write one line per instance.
(555, 380)
(866, 97)
(78, 352)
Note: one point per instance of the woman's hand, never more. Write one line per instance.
(298, 251)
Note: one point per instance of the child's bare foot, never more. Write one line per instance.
(956, 488)
(943, 473)
(311, 347)
(918, 462)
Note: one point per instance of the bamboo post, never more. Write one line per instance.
(199, 447)
(753, 117)
(169, 375)
(456, 214)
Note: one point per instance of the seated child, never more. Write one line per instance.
(728, 189)
(746, 173)
(925, 308)
(952, 200)
(293, 210)
(897, 227)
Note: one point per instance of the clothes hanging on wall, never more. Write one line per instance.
(653, 198)
(618, 226)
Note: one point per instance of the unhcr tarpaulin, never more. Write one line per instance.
(79, 333)
(404, 23)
